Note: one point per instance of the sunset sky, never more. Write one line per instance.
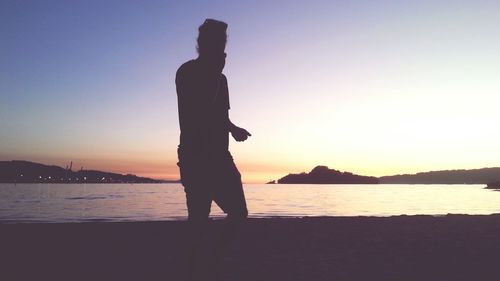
(371, 87)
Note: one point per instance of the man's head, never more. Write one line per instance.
(212, 40)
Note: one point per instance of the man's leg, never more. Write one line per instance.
(198, 201)
(231, 199)
(229, 196)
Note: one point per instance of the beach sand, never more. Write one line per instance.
(453, 247)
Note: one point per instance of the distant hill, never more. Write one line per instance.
(29, 172)
(324, 175)
(473, 176)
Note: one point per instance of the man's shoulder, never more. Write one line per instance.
(186, 68)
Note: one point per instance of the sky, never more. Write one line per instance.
(371, 87)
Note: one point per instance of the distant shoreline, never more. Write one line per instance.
(179, 182)
(325, 175)
(76, 183)
(20, 171)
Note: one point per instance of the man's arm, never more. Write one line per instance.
(239, 134)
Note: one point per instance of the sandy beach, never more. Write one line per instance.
(453, 247)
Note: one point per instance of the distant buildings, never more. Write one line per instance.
(30, 172)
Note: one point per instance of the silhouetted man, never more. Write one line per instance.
(208, 172)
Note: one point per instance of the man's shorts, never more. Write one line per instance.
(220, 181)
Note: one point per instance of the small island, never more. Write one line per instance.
(18, 171)
(324, 175)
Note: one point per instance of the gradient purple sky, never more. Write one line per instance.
(371, 87)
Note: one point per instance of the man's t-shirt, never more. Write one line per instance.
(203, 101)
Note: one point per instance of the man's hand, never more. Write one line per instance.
(239, 134)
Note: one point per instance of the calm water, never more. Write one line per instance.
(141, 202)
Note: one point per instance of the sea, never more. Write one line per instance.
(54, 203)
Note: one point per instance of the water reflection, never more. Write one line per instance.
(139, 202)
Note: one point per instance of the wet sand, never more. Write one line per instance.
(453, 247)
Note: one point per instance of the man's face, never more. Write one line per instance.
(217, 59)
(220, 61)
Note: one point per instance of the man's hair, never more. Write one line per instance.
(212, 36)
